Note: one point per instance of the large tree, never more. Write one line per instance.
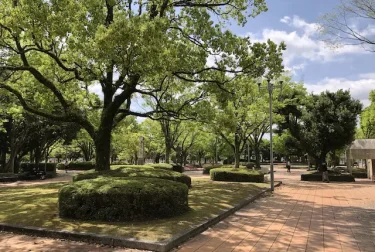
(328, 123)
(368, 119)
(351, 23)
(60, 49)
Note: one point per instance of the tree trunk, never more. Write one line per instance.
(237, 159)
(257, 155)
(168, 150)
(2, 160)
(237, 151)
(157, 158)
(103, 149)
(10, 165)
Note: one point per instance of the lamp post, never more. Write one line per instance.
(270, 87)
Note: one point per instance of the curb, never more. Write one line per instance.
(130, 242)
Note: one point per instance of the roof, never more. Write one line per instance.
(363, 144)
(362, 149)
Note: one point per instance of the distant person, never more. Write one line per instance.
(288, 166)
(66, 166)
(325, 172)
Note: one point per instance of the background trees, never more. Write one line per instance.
(368, 119)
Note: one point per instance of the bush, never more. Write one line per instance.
(207, 169)
(60, 166)
(28, 167)
(236, 175)
(333, 176)
(250, 165)
(8, 177)
(111, 199)
(75, 165)
(162, 166)
(359, 174)
(119, 163)
(136, 172)
(178, 168)
(136, 166)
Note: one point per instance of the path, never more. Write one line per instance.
(13, 243)
(61, 176)
(300, 216)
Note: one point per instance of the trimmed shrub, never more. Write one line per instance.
(162, 166)
(111, 199)
(136, 172)
(359, 174)
(60, 166)
(207, 169)
(250, 165)
(236, 175)
(80, 166)
(8, 177)
(28, 167)
(119, 163)
(178, 168)
(136, 166)
(333, 176)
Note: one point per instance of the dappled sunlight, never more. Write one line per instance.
(37, 206)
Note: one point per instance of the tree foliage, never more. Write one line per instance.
(368, 119)
(328, 123)
(58, 49)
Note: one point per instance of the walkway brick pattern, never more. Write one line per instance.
(300, 216)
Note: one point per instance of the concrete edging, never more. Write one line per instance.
(129, 242)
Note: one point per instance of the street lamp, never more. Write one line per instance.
(270, 87)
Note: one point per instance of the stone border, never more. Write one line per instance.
(130, 242)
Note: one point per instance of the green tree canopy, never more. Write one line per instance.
(55, 50)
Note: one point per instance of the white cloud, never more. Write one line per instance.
(303, 44)
(285, 19)
(360, 88)
(299, 23)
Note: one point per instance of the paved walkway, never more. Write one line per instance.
(300, 216)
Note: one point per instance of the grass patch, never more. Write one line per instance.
(37, 206)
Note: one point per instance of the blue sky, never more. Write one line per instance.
(307, 57)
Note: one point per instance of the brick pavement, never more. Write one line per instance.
(300, 216)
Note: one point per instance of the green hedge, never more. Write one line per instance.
(75, 165)
(236, 175)
(162, 166)
(207, 169)
(136, 172)
(111, 199)
(359, 174)
(119, 163)
(178, 168)
(136, 166)
(27, 167)
(317, 176)
(8, 177)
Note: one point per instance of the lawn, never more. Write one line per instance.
(37, 206)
